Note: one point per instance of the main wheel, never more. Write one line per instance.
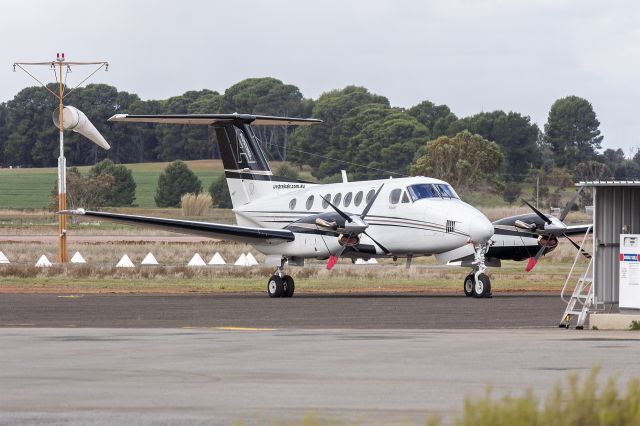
(482, 288)
(275, 286)
(289, 286)
(468, 285)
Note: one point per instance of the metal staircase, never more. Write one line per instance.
(582, 298)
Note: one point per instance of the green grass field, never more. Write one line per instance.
(31, 188)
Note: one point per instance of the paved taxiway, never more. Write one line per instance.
(216, 359)
(381, 311)
(208, 376)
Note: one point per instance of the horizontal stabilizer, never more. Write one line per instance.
(213, 119)
(243, 234)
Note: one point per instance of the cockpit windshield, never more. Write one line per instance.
(428, 190)
(446, 190)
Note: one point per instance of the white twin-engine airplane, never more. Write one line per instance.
(290, 221)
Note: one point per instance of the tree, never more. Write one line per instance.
(87, 192)
(317, 145)
(436, 118)
(387, 146)
(219, 191)
(515, 134)
(175, 180)
(466, 161)
(267, 96)
(123, 190)
(512, 192)
(591, 170)
(627, 170)
(572, 131)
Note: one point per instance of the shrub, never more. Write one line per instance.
(88, 192)
(219, 191)
(579, 403)
(123, 190)
(511, 192)
(175, 180)
(195, 204)
(287, 171)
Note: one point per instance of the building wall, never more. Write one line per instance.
(616, 211)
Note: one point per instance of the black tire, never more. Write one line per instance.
(289, 286)
(275, 286)
(467, 285)
(482, 288)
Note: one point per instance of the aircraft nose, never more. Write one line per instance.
(480, 229)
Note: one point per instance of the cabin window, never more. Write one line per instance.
(370, 195)
(310, 202)
(337, 199)
(358, 199)
(405, 197)
(394, 197)
(292, 204)
(325, 204)
(347, 199)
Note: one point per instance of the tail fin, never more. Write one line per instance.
(245, 164)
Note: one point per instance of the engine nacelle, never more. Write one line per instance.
(550, 242)
(345, 240)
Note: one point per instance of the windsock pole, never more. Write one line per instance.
(58, 65)
(63, 256)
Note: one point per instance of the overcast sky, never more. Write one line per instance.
(471, 55)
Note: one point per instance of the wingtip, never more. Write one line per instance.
(72, 212)
(117, 117)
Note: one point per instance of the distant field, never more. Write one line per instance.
(31, 188)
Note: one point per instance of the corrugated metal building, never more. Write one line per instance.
(616, 211)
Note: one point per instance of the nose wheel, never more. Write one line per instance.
(482, 286)
(468, 285)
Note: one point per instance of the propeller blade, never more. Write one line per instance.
(331, 262)
(539, 213)
(383, 248)
(534, 260)
(368, 206)
(340, 212)
(570, 204)
(582, 251)
(333, 259)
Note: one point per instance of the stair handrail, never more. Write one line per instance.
(575, 260)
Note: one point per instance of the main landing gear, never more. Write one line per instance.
(280, 285)
(477, 283)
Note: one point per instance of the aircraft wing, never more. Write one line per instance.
(212, 119)
(578, 229)
(243, 234)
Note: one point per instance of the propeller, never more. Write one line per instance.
(354, 226)
(554, 227)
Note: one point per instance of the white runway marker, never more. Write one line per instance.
(43, 262)
(149, 259)
(125, 262)
(217, 259)
(77, 258)
(196, 260)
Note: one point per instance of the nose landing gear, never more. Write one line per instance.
(477, 283)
